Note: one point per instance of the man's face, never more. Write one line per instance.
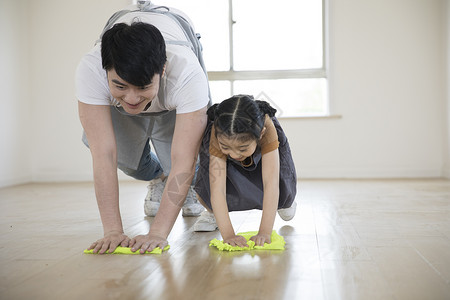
(134, 99)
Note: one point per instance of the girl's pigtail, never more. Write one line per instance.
(211, 112)
(266, 108)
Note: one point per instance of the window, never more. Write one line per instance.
(273, 50)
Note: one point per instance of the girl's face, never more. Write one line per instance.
(134, 99)
(235, 148)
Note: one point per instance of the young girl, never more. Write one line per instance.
(245, 163)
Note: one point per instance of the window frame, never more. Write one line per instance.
(232, 75)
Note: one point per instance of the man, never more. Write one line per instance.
(142, 83)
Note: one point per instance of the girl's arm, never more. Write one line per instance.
(271, 178)
(217, 181)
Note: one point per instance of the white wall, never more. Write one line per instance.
(16, 128)
(447, 48)
(387, 72)
(61, 33)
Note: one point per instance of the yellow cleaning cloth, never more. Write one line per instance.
(127, 250)
(277, 243)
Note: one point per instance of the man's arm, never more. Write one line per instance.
(189, 129)
(97, 124)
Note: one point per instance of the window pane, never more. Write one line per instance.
(277, 35)
(210, 19)
(220, 90)
(291, 97)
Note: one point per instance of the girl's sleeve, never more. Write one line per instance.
(269, 141)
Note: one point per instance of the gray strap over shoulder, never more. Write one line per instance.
(193, 39)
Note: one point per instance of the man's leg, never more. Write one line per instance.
(135, 157)
(149, 169)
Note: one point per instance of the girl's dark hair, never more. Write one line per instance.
(240, 115)
(137, 52)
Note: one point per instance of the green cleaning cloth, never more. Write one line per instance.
(277, 243)
(127, 250)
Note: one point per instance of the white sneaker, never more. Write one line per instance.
(154, 195)
(191, 207)
(288, 213)
(206, 222)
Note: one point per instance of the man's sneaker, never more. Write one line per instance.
(154, 195)
(191, 207)
(206, 222)
(288, 213)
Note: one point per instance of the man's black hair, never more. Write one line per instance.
(137, 52)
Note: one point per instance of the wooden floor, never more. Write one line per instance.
(366, 239)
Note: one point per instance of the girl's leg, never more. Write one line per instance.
(206, 221)
(288, 213)
(203, 203)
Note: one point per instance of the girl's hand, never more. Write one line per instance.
(236, 240)
(110, 242)
(147, 242)
(260, 239)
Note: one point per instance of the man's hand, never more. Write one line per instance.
(110, 242)
(147, 242)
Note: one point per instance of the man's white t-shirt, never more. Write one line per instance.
(183, 87)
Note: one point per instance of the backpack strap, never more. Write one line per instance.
(111, 22)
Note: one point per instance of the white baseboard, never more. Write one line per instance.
(71, 177)
(446, 172)
(323, 172)
(367, 173)
(14, 181)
